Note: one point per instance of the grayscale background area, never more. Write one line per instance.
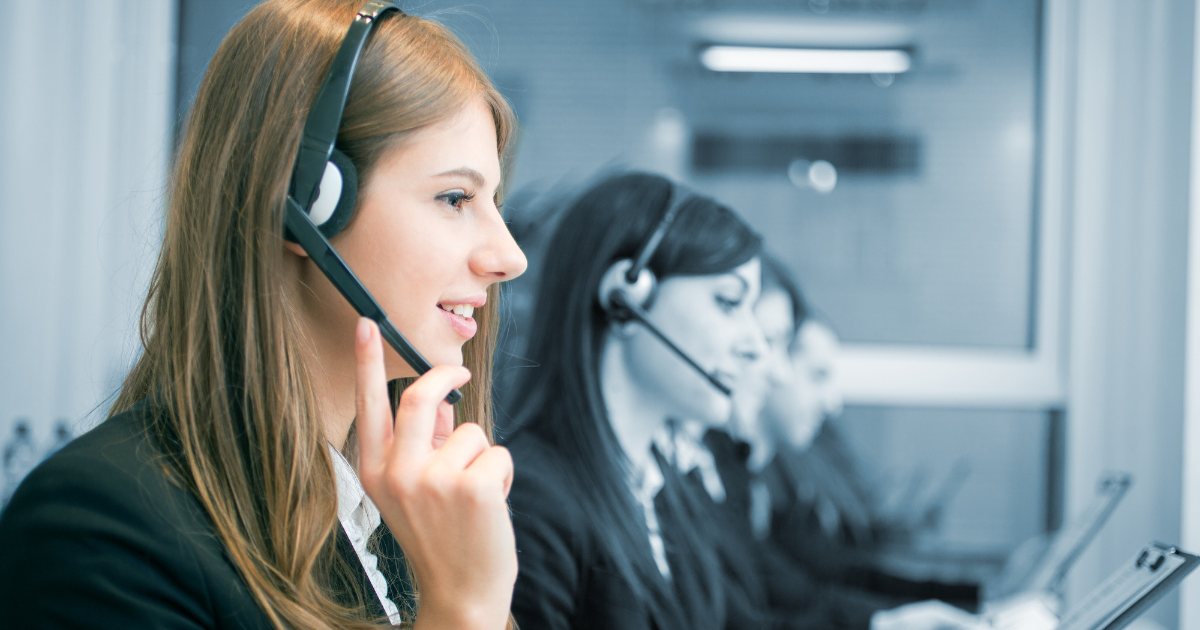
(937, 253)
(928, 241)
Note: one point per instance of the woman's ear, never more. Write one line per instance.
(295, 249)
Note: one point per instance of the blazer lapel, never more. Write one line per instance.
(394, 567)
(360, 587)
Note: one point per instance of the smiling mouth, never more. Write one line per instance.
(462, 310)
(460, 317)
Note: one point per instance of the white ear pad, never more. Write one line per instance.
(327, 197)
(614, 280)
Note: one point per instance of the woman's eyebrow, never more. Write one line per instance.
(475, 176)
(745, 288)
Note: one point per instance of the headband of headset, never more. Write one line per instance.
(642, 259)
(325, 117)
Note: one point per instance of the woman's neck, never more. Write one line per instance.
(334, 395)
(327, 343)
(762, 443)
(635, 413)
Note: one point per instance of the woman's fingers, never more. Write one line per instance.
(496, 465)
(421, 404)
(373, 410)
(441, 490)
(443, 426)
(926, 615)
(462, 447)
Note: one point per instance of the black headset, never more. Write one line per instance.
(629, 285)
(324, 187)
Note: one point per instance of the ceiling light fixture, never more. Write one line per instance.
(805, 60)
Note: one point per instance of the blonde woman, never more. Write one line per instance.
(224, 489)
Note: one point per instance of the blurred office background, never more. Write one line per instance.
(998, 230)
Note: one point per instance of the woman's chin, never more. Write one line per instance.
(452, 355)
(713, 412)
(802, 437)
(446, 355)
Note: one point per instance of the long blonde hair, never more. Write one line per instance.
(223, 356)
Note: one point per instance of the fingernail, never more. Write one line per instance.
(364, 330)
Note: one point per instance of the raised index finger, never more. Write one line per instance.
(419, 407)
(373, 409)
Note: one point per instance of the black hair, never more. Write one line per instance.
(562, 403)
(776, 276)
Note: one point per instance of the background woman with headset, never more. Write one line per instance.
(609, 533)
(220, 491)
(778, 409)
(606, 533)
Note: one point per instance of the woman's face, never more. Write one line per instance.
(774, 314)
(797, 412)
(427, 239)
(711, 319)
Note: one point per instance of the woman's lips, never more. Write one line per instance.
(464, 326)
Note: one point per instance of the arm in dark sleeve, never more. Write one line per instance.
(88, 547)
(802, 602)
(548, 580)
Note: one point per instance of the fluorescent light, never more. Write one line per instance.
(811, 60)
(776, 30)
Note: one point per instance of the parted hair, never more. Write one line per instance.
(223, 352)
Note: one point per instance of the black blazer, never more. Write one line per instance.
(98, 536)
(763, 577)
(795, 565)
(567, 579)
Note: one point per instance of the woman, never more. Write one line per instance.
(609, 534)
(779, 408)
(216, 494)
(605, 531)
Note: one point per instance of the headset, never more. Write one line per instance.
(629, 285)
(324, 187)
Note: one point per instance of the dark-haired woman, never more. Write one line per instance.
(609, 534)
(228, 489)
(606, 531)
(776, 413)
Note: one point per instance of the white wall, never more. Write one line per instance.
(85, 113)
(1132, 86)
(1189, 614)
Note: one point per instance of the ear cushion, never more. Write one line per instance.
(614, 279)
(344, 209)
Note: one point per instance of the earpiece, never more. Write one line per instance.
(616, 278)
(632, 276)
(336, 195)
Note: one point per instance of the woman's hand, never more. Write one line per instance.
(927, 615)
(441, 491)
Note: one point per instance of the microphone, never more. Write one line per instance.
(618, 299)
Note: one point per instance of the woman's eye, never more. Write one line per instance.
(727, 304)
(455, 199)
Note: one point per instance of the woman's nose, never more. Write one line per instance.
(499, 258)
(752, 343)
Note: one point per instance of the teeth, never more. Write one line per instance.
(462, 310)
